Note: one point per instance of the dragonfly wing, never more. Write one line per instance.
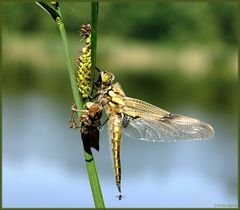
(136, 104)
(161, 126)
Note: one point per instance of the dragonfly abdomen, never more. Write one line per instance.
(115, 123)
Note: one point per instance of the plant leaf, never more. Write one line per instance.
(47, 7)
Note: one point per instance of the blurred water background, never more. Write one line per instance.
(179, 56)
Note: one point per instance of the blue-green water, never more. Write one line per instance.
(43, 164)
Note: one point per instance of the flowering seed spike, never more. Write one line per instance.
(85, 30)
(84, 64)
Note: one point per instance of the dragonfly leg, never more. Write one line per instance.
(72, 122)
(98, 69)
(100, 128)
(96, 84)
(74, 108)
(93, 97)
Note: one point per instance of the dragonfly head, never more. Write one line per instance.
(106, 78)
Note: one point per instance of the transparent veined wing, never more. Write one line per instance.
(147, 122)
(138, 105)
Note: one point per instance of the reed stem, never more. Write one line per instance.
(55, 12)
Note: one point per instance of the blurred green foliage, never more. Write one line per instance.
(165, 22)
(173, 21)
(34, 58)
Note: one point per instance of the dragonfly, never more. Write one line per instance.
(138, 119)
(90, 125)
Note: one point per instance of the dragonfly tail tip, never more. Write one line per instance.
(119, 188)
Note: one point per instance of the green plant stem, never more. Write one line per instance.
(89, 160)
(94, 38)
(98, 199)
(70, 66)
